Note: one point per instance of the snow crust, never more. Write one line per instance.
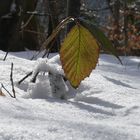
(106, 106)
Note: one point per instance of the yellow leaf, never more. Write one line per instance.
(79, 54)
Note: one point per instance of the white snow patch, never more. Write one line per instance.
(106, 106)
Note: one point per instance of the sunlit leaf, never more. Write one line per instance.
(79, 54)
(101, 37)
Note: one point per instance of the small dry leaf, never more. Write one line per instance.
(1, 93)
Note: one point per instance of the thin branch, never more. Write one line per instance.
(36, 13)
(47, 51)
(28, 21)
(33, 13)
(29, 74)
(34, 78)
(20, 81)
(11, 79)
(5, 56)
(32, 31)
(35, 55)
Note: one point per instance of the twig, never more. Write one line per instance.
(32, 31)
(28, 21)
(11, 79)
(36, 13)
(47, 51)
(20, 81)
(6, 90)
(5, 56)
(35, 56)
(34, 78)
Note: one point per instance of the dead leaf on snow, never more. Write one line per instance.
(1, 93)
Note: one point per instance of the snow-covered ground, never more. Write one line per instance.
(106, 105)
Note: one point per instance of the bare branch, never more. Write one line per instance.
(32, 31)
(34, 78)
(20, 81)
(5, 56)
(11, 79)
(36, 13)
(28, 21)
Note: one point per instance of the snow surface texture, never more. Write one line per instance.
(106, 105)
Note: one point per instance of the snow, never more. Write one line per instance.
(45, 65)
(106, 106)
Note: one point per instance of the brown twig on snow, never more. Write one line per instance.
(6, 90)
(12, 83)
